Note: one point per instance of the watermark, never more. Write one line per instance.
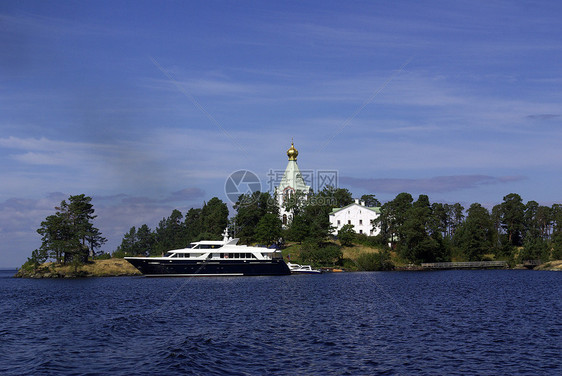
(245, 182)
(241, 182)
(315, 179)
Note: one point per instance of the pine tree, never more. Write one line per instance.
(69, 235)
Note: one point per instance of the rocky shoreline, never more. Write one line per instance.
(119, 268)
(551, 265)
(98, 268)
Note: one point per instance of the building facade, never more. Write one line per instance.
(358, 215)
(292, 185)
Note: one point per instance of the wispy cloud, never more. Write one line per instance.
(182, 196)
(436, 184)
(543, 116)
(47, 26)
(21, 217)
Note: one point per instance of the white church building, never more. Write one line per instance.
(356, 214)
(291, 183)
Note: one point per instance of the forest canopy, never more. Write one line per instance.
(416, 230)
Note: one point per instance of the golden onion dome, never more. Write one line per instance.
(292, 153)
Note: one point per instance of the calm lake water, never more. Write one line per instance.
(499, 322)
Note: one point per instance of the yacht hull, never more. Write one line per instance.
(192, 268)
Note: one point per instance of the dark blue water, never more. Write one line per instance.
(448, 322)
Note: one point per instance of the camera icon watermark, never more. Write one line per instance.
(241, 182)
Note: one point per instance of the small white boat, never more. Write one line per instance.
(302, 269)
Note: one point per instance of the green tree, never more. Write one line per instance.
(215, 218)
(537, 220)
(169, 233)
(137, 242)
(268, 229)
(193, 225)
(512, 213)
(317, 216)
(474, 237)
(56, 237)
(312, 221)
(37, 258)
(392, 218)
(556, 218)
(250, 208)
(440, 218)
(128, 244)
(81, 213)
(370, 201)
(298, 229)
(333, 197)
(534, 249)
(145, 241)
(456, 217)
(69, 235)
(416, 244)
(556, 246)
(346, 235)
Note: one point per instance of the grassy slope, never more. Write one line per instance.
(350, 254)
(552, 265)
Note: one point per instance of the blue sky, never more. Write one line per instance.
(149, 106)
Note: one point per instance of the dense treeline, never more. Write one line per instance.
(176, 231)
(514, 231)
(418, 231)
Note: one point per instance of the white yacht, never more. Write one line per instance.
(211, 258)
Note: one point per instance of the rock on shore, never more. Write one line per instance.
(552, 265)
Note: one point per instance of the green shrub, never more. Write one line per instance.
(321, 254)
(103, 256)
(375, 261)
(369, 241)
